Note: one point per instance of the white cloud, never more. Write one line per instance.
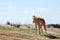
(9, 7)
(43, 9)
(6, 5)
(58, 0)
(26, 11)
(40, 10)
(37, 9)
(58, 8)
(2, 3)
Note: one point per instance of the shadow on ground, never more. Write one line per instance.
(51, 36)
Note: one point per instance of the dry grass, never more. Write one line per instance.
(12, 33)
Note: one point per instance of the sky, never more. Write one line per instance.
(21, 11)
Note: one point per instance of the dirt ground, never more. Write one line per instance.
(17, 36)
(14, 35)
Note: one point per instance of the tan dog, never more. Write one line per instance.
(40, 23)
